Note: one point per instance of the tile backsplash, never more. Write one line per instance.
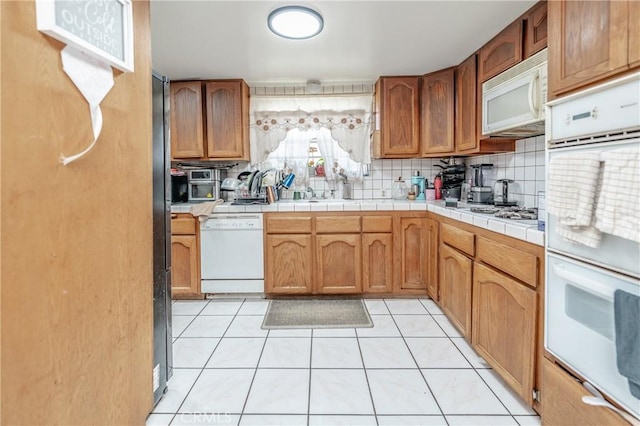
(526, 166)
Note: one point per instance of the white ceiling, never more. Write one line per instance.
(361, 40)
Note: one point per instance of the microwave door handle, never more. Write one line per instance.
(591, 286)
(533, 85)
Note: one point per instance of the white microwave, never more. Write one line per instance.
(513, 102)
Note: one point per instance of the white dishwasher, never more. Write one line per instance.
(231, 257)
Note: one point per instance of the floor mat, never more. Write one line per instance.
(316, 313)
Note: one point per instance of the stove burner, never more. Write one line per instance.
(513, 213)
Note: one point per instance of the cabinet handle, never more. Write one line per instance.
(597, 400)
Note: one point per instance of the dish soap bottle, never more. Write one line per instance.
(399, 189)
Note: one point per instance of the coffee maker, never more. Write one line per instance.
(479, 192)
(418, 185)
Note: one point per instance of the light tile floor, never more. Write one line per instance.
(411, 368)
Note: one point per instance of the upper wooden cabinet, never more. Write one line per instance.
(187, 129)
(225, 108)
(502, 52)
(634, 34)
(397, 117)
(590, 41)
(535, 35)
(437, 113)
(465, 118)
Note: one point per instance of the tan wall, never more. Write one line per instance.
(76, 298)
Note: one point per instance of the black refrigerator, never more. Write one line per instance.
(162, 341)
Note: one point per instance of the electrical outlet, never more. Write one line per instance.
(383, 193)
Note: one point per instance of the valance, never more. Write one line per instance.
(350, 127)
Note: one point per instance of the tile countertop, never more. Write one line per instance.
(526, 230)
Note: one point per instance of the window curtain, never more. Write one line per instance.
(346, 118)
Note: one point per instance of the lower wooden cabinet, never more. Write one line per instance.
(377, 263)
(412, 253)
(338, 263)
(456, 272)
(433, 240)
(185, 267)
(288, 264)
(504, 327)
(562, 401)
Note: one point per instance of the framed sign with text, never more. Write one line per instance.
(101, 28)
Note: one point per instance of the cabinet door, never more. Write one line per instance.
(465, 134)
(412, 254)
(634, 34)
(456, 272)
(536, 33)
(400, 121)
(588, 41)
(185, 270)
(433, 232)
(288, 264)
(338, 263)
(506, 308)
(377, 263)
(187, 131)
(562, 401)
(437, 113)
(227, 117)
(501, 53)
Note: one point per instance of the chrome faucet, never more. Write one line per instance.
(310, 189)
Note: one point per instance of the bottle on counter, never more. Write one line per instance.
(437, 185)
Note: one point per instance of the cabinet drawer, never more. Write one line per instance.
(289, 225)
(458, 238)
(562, 401)
(337, 224)
(376, 224)
(183, 225)
(517, 263)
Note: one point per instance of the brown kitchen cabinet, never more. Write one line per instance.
(377, 254)
(432, 243)
(288, 263)
(456, 273)
(465, 102)
(227, 112)
(590, 41)
(562, 401)
(412, 255)
(185, 258)
(209, 126)
(187, 128)
(437, 113)
(501, 53)
(504, 307)
(535, 35)
(397, 115)
(468, 117)
(338, 264)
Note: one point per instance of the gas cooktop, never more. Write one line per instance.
(513, 213)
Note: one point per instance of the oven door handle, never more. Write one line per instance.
(584, 283)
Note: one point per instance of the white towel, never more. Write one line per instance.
(203, 210)
(573, 182)
(618, 211)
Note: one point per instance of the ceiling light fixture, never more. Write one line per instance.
(295, 22)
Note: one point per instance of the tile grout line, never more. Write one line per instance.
(472, 366)
(206, 362)
(310, 371)
(255, 373)
(366, 376)
(416, 362)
